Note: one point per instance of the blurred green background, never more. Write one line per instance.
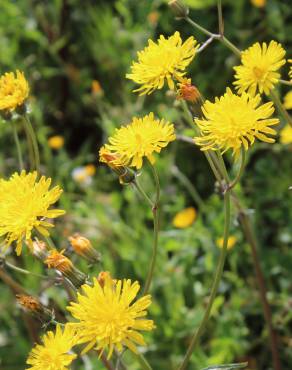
(65, 45)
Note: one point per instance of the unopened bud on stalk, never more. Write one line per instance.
(56, 260)
(188, 92)
(103, 276)
(126, 175)
(179, 9)
(83, 247)
(34, 307)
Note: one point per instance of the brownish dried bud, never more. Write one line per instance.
(34, 307)
(188, 92)
(179, 9)
(83, 247)
(103, 276)
(39, 249)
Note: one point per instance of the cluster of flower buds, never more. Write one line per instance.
(35, 308)
(83, 247)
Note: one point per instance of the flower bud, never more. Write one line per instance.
(188, 92)
(83, 247)
(39, 249)
(103, 276)
(56, 260)
(179, 9)
(34, 307)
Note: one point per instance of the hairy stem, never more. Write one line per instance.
(18, 147)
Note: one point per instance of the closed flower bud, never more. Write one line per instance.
(34, 307)
(56, 260)
(188, 92)
(83, 247)
(103, 276)
(39, 249)
(179, 9)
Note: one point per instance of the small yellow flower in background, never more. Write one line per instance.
(141, 138)
(14, 90)
(233, 121)
(96, 88)
(24, 205)
(153, 17)
(107, 317)
(56, 142)
(288, 100)
(259, 67)
(230, 242)
(56, 260)
(184, 218)
(286, 135)
(258, 3)
(90, 169)
(165, 60)
(55, 351)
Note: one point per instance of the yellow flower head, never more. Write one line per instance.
(258, 3)
(53, 353)
(259, 68)
(184, 218)
(230, 242)
(286, 135)
(141, 138)
(56, 142)
(107, 317)
(288, 100)
(235, 120)
(24, 205)
(165, 60)
(14, 90)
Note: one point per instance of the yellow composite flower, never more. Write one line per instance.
(258, 69)
(286, 135)
(230, 242)
(141, 138)
(108, 318)
(165, 60)
(233, 121)
(288, 100)
(184, 218)
(24, 206)
(14, 90)
(56, 142)
(55, 351)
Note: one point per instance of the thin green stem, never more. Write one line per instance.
(200, 28)
(155, 211)
(189, 186)
(143, 362)
(23, 271)
(280, 107)
(230, 46)
(215, 285)
(142, 192)
(18, 147)
(285, 82)
(241, 168)
(34, 142)
(220, 18)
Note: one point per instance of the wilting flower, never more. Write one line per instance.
(165, 60)
(33, 306)
(184, 218)
(56, 142)
(24, 205)
(14, 90)
(141, 138)
(107, 317)
(55, 351)
(83, 247)
(288, 100)
(259, 67)
(230, 242)
(233, 121)
(187, 91)
(286, 135)
(56, 260)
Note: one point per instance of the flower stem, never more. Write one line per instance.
(284, 82)
(215, 285)
(280, 107)
(22, 271)
(34, 143)
(241, 168)
(142, 192)
(143, 362)
(155, 211)
(200, 28)
(18, 147)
